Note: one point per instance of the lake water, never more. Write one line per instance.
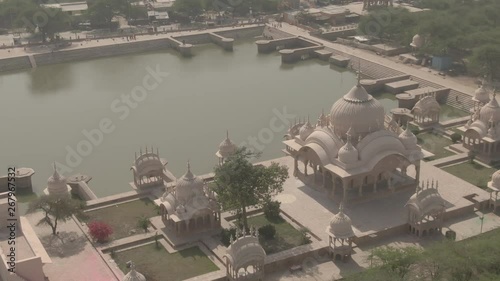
(43, 112)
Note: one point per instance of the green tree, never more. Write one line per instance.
(103, 11)
(240, 184)
(55, 209)
(48, 21)
(486, 59)
(397, 260)
(189, 7)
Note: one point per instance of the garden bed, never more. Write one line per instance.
(436, 144)
(156, 264)
(286, 237)
(123, 218)
(473, 173)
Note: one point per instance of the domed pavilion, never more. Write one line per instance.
(190, 206)
(245, 257)
(493, 189)
(355, 150)
(426, 210)
(226, 149)
(133, 275)
(57, 185)
(482, 132)
(340, 235)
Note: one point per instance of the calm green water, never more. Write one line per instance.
(43, 112)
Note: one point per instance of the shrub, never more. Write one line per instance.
(267, 231)
(305, 238)
(226, 235)
(272, 210)
(455, 137)
(143, 222)
(100, 231)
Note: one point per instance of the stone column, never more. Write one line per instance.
(334, 186)
(417, 173)
(375, 187)
(360, 189)
(295, 165)
(305, 168)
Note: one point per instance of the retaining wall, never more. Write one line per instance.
(100, 51)
(16, 63)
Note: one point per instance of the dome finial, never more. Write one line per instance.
(56, 174)
(227, 134)
(341, 207)
(349, 134)
(359, 73)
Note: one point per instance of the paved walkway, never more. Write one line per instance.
(369, 56)
(73, 257)
(16, 52)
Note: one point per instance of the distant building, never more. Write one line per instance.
(72, 9)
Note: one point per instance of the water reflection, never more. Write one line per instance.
(51, 79)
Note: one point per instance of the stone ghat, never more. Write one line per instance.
(102, 49)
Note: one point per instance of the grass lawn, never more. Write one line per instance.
(123, 217)
(286, 237)
(434, 143)
(159, 265)
(474, 173)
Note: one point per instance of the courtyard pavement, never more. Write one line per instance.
(73, 257)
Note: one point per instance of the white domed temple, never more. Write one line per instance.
(355, 150)
(482, 131)
(190, 206)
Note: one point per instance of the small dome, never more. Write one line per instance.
(495, 180)
(359, 110)
(57, 184)
(417, 41)
(348, 154)
(341, 225)
(408, 138)
(490, 111)
(188, 186)
(481, 95)
(227, 147)
(133, 275)
(306, 130)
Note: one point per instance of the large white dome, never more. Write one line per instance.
(481, 95)
(490, 111)
(357, 110)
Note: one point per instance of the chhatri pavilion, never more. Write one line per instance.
(356, 150)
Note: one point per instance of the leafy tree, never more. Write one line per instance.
(55, 209)
(47, 21)
(239, 184)
(143, 223)
(487, 60)
(189, 7)
(272, 210)
(11, 10)
(100, 231)
(103, 11)
(397, 260)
